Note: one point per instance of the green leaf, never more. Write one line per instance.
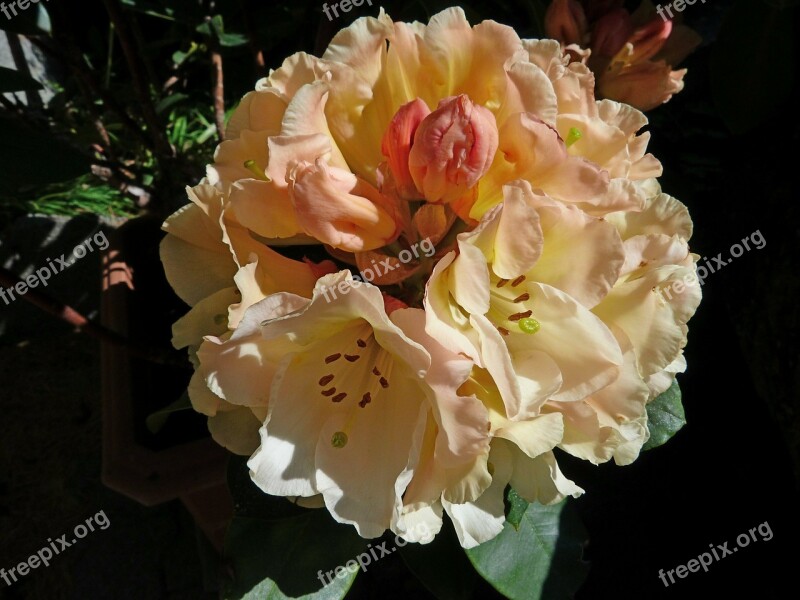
(14, 81)
(442, 565)
(665, 417)
(170, 101)
(291, 558)
(232, 40)
(215, 27)
(754, 52)
(156, 421)
(516, 509)
(540, 558)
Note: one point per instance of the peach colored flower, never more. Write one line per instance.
(534, 320)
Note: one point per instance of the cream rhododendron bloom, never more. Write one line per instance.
(493, 281)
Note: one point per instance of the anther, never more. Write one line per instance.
(339, 397)
(522, 315)
(329, 392)
(352, 357)
(331, 358)
(518, 280)
(326, 380)
(522, 297)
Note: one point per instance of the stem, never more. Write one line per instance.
(219, 93)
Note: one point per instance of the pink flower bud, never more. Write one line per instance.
(397, 142)
(611, 32)
(453, 148)
(565, 21)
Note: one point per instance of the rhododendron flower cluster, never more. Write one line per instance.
(536, 321)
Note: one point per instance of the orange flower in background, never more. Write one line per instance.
(631, 55)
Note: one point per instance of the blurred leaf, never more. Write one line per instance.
(232, 40)
(665, 417)
(30, 156)
(179, 57)
(442, 565)
(156, 421)
(14, 81)
(170, 101)
(214, 27)
(539, 559)
(752, 64)
(289, 558)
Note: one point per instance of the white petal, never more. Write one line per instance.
(540, 480)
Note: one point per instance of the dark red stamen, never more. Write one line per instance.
(522, 315)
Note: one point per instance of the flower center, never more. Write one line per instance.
(356, 376)
(510, 306)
